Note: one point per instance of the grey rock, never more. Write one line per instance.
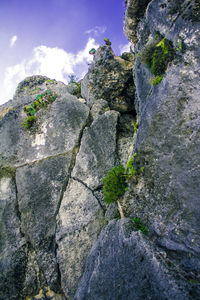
(40, 188)
(124, 264)
(167, 143)
(57, 131)
(80, 220)
(97, 151)
(135, 10)
(99, 107)
(110, 78)
(12, 243)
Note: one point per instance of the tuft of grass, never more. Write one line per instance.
(29, 121)
(41, 100)
(157, 80)
(139, 226)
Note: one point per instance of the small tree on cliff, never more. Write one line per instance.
(114, 186)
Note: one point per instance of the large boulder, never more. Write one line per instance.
(110, 78)
(123, 264)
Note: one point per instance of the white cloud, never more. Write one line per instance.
(124, 48)
(13, 41)
(55, 63)
(97, 30)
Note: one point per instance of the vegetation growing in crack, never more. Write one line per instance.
(139, 226)
(115, 184)
(157, 56)
(135, 125)
(41, 101)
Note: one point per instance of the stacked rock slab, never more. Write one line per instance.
(51, 180)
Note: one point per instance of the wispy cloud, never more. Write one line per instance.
(13, 41)
(124, 48)
(97, 30)
(55, 63)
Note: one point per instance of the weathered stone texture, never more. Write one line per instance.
(124, 264)
(97, 151)
(110, 78)
(167, 143)
(80, 220)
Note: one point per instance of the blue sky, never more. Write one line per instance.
(53, 37)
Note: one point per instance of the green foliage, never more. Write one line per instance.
(41, 100)
(142, 169)
(92, 51)
(107, 41)
(157, 80)
(50, 81)
(156, 56)
(130, 170)
(29, 121)
(135, 125)
(114, 184)
(139, 225)
(180, 47)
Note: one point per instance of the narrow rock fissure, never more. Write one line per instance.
(73, 161)
(18, 212)
(92, 191)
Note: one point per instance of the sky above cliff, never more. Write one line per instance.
(53, 38)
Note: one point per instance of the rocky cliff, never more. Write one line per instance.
(58, 238)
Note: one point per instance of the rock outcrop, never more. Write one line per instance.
(58, 238)
(52, 210)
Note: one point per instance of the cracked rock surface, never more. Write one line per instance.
(51, 179)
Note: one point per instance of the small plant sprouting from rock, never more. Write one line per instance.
(41, 101)
(130, 171)
(139, 226)
(135, 125)
(92, 51)
(29, 121)
(107, 42)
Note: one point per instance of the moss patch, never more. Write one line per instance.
(157, 56)
(7, 172)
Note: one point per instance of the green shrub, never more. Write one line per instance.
(114, 184)
(139, 225)
(29, 121)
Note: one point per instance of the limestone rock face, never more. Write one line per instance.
(123, 264)
(111, 79)
(80, 220)
(51, 204)
(52, 212)
(135, 10)
(97, 151)
(167, 143)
